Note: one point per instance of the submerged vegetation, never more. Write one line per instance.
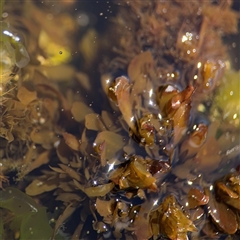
(145, 147)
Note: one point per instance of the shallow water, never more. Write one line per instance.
(108, 108)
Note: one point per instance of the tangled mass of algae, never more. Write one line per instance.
(119, 120)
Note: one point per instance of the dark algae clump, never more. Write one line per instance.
(119, 120)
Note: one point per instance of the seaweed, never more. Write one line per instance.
(30, 220)
(144, 148)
